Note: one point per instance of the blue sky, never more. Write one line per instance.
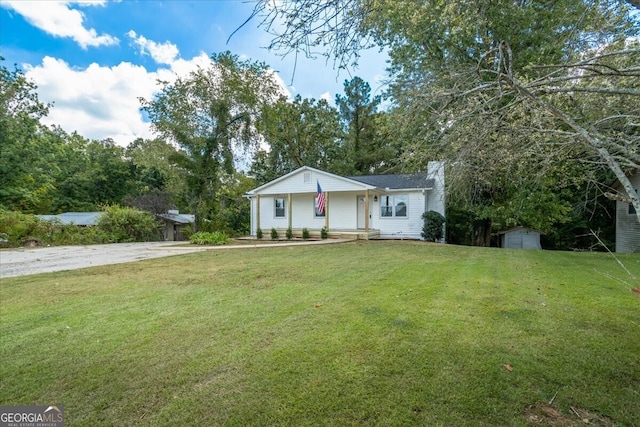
(94, 59)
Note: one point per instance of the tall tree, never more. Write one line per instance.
(209, 114)
(358, 111)
(25, 152)
(302, 132)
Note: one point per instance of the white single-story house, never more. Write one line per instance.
(371, 206)
(627, 226)
(520, 238)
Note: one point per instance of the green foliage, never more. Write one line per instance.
(209, 238)
(259, 233)
(432, 228)
(366, 150)
(128, 225)
(19, 228)
(305, 233)
(459, 226)
(304, 132)
(208, 114)
(76, 235)
(235, 210)
(289, 233)
(511, 93)
(324, 233)
(274, 233)
(26, 165)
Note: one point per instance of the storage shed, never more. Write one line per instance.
(520, 238)
(175, 225)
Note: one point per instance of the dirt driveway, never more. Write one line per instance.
(24, 261)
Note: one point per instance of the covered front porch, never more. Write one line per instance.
(346, 214)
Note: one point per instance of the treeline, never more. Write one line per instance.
(209, 122)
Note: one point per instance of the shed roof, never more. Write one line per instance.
(75, 218)
(179, 218)
(397, 181)
(514, 229)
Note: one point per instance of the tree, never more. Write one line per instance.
(302, 132)
(525, 71)
(25, 153)
(159, 183)
(365, 150)
(210, 114)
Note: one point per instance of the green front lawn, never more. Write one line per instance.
(363, 333)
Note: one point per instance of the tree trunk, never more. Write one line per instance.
(482, 232)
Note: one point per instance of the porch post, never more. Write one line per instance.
(290, 208)
(366, 211)
(326, 211)
(257, 212)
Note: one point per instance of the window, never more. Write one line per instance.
(393, 206)
(280, 207)
(632, 210)
(315, 208)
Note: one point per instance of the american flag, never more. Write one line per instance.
(320, 199)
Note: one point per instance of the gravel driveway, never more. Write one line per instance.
(23, 261)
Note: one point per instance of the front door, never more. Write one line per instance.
(361, 212)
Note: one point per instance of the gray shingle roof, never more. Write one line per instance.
(397, 181)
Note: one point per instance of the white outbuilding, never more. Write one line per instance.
(520, 238)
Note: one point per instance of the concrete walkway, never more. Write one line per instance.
(25, 261)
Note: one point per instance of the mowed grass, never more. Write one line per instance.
(356, 334)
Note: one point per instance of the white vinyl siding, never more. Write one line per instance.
(409, 226)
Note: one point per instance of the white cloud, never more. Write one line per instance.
(60, 20)
(162, 53)
(182, 67)
(102, 102)
(327, 97)
(98, 102)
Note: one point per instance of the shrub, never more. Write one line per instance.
(75, 235)
(128, 225)
(432, 228)
(116, 225)
(259, 233)
(209, 238)
(305, 233)
(274, 233)
(324, 233)
(16, 228)
(289, 233)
